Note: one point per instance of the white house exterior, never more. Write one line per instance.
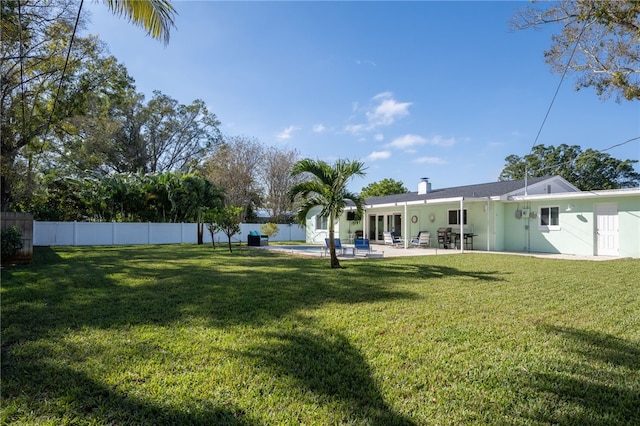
(542, 215)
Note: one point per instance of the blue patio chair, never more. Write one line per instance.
(340, 250)
(361, 244)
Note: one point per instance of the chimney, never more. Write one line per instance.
(424, 187)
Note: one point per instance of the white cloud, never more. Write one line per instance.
(319, 128)
(441, 141)
(365, 62)
(378, 155)
(407, 141)
(387, 111)
(379, 137)
(355, 128)
(287, 133)
(384, 111)
(429, 160)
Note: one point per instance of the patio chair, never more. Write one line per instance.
(422, 240)
(340, 250)
(361, 244)
(391, 240)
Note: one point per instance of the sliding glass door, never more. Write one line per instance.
(384, 222)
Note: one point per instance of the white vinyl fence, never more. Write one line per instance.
(118, 233)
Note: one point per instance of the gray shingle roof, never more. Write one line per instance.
(491, 189)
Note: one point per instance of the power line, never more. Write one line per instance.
(64, 69)
(564, 73)
(620, 144)
(556, 166)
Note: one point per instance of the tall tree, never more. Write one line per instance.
(599, 41)
(588, 170)
(386, 186)
(235, 166)
(161, 136)
(326, 187)
(277, 179)
(44, 81)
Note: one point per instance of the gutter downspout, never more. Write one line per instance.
(406, 224)
(488, 205)
(462, 225)
(365, 233)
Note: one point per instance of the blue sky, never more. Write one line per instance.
(414, 89)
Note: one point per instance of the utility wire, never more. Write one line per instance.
(564, 73)
(556, 166)
(64, 69)
(24, 109)
(620, 144)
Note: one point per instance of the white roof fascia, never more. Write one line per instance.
(627, 192)
(432, 201)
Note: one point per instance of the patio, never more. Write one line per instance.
(382, 250)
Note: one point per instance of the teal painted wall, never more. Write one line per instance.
(629, 223)
(576, 234)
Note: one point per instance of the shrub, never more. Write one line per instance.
(269, 229)
(11, 241)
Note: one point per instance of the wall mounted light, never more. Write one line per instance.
(570, 207)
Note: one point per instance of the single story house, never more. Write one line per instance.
(540, 215)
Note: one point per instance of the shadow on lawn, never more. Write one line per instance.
(68, 289)
(108, 287)
(598, 388)
(332, 370)
(75, 398)
(111, 287)
(419, 268)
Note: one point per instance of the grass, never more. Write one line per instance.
(187, 335)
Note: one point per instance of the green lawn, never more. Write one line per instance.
(181, 334)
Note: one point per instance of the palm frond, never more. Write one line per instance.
(155, 16)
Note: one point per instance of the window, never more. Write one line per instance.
(454, 217)
(549, 217)
(322, 222)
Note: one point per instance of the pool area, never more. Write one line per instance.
(319, 250)
(309, 250)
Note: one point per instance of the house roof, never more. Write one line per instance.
(481, 190)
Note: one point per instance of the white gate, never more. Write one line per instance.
(607, 229)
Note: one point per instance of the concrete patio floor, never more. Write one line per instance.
(381, 250)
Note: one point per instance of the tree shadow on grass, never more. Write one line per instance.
(599, 388)
(332, 370)
(74, 398)
(418, 268)
(73, 288)
(122, 286)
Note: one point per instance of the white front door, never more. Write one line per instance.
(607, 229)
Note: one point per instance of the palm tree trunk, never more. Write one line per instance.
(335, 263)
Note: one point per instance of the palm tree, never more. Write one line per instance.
(155, 16)
(326, 188)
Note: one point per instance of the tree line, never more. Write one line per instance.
(79, 141)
